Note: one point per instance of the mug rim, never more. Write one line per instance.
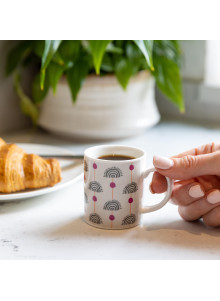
(98, 147)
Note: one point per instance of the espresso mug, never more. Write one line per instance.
(114, 188)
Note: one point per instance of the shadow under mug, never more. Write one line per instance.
(114, 189)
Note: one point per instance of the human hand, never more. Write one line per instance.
(196, 189)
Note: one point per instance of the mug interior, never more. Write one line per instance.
(103, 150)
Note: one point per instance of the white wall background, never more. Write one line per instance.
(212, 63)
(201, 84)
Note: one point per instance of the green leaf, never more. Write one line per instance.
(85, 46)
(69, 50)
(136, 57)
(27, 106)
(38, 47)
(123, 71)
(119, 43)
(54, 72)
(98, 49)
(77, 74)
(37, 94)
(168, 48)
(30, 60)
(16, 55)
(146, 47)
(58, 59)
(50, 49)
(111, 48)
(167, 75)
(107, 64)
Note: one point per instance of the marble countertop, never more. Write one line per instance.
(51, 226)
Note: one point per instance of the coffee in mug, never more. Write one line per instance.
(116, 157)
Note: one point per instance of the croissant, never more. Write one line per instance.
(19, 171)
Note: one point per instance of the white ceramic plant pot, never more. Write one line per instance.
(103, 110)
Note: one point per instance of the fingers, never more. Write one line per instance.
(189, 166)
(190, 196)
(185, 165)
(209, 182)
(196, 209)
(212, 218)
(192, 168)
(189, 191)
(158, 184)
(201, 150)
(184, 195)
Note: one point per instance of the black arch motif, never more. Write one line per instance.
(129, 219)
(95, 186)
(113, 172)
(95, 218)
(112, 205)
(130, 188)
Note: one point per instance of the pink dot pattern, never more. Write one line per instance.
(112, 185)
(131, 167)
(130, 200)
(111, 217)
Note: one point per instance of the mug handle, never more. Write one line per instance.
(166, 198)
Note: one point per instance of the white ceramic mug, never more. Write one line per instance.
(114, 189)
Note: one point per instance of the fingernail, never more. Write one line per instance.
(196, 191)
(162, 162)
(150, 188)
(214, 197)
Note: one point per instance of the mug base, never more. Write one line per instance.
(108, 228)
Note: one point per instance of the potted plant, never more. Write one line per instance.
(77, 89)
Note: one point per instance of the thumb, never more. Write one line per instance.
(188, 166)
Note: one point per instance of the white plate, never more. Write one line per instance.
(70, 171)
